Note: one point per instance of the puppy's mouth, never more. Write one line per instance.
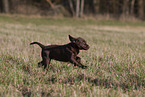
(86, 47)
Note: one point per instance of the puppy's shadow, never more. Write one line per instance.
(106, 83)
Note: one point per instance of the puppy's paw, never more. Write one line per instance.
(84, 67)
(40, 64)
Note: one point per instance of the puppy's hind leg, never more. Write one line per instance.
(46, 62)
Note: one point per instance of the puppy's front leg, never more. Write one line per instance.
(78, 59)
(77, 63)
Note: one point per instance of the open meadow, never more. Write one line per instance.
(115, 60)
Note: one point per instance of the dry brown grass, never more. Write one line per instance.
(115, 59)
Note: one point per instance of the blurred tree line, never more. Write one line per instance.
(76, 8)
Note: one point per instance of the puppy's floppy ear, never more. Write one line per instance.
(72, 39)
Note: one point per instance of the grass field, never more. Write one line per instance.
(116, 58)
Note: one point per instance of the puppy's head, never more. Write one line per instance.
(80, 43)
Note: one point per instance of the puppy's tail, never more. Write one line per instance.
(41, 45)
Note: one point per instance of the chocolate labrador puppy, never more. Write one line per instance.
(65, 53)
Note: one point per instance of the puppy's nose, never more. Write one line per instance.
(87, 47)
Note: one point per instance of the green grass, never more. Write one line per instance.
(116, 58)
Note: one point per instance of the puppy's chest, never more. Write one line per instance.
(75, 51)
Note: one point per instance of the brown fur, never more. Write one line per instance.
(65, 53)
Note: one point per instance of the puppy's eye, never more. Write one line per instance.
(84, 42)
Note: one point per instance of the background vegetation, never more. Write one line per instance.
(76, 8)
(116, 58)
